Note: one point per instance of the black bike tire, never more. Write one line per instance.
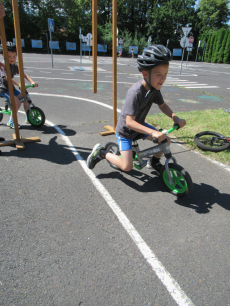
(108, 147)
(1, 115)
(43, 118)
(185, 175)
(204, 147)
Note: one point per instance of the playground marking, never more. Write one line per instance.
(172, 286)
(168, 281)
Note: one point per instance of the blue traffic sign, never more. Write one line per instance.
(51, 25)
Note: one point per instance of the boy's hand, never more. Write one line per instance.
(35, 84)
(159, 135)
(2, 66)
(180, 122)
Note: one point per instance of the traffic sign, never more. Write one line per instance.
(51, 25)
(80, 36)
(191, 39)
(184, 42)
(120, 41)
(189, 49)
(186, 30)
(190, 45)
(89, 36)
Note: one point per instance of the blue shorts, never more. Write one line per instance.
(125, 144)
(7, 94)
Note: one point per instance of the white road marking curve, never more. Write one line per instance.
(168, 281)
(172, 286)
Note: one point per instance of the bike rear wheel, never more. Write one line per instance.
(182, 182)
(39, 117)
(113, 148)
(211, 141)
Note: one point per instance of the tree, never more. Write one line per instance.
(220, 57)
(227, 50)
(213, 14)
(219, 41)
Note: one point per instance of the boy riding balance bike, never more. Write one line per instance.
(153, 65)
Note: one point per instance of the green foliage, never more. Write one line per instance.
(226, 59)
(213, 14)
(136, 21)
(220, 55)
(217, 46)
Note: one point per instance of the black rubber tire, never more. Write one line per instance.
(1, 115)
(203, 141)
(183, 184)
(39, 117)
(113, 148)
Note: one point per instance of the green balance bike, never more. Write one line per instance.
(173, 176)
(35, 115)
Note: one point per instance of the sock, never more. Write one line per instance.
(11, 119)
(155, 160)
(103, 152)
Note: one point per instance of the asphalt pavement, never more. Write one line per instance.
(71, 236)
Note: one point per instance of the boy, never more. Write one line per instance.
(154, 65)
(4, 91)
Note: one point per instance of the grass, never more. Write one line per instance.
(198, 121)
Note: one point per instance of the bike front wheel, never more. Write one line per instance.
(182, 182)
(113, 148)
(37, 118)
(1, 115)
(211, 141)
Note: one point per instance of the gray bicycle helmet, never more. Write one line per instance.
(10, 47)
(153, 56)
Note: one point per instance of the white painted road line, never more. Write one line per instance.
(202, 86)
(172, 286)
(168, 281)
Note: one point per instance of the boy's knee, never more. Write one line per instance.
(127, 168)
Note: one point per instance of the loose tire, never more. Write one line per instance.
(211, 141)
(182, 182)
(39, 117)
(1, 115)
(113, 148)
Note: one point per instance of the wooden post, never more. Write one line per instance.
(19, 46)
(94, 48)
(8, 72)
(17, 140)
(111, 129)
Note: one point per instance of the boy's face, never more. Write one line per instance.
(158, 76)
(12, 56)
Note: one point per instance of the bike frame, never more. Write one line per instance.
(23, 99)
(162, 147)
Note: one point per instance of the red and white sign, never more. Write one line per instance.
(191, 40)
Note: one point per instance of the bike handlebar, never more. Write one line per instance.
(175, 127)
(28, 86)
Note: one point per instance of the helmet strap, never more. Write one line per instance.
(148, 83)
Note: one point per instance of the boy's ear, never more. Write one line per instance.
(145, 74)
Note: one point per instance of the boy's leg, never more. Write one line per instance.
(10, 123)
(125, 163)
(154, 161)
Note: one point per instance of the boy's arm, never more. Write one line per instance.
(13, 81)
(30, 80)
(167, 111)
(135, 126)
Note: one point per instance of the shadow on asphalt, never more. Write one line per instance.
(53, 152)
(50, 129)
(201, 199)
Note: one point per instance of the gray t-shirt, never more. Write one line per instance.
(3, 81)
(137, 103)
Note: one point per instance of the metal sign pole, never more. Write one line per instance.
(187, 58)
(182, 58)
(51, 48)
